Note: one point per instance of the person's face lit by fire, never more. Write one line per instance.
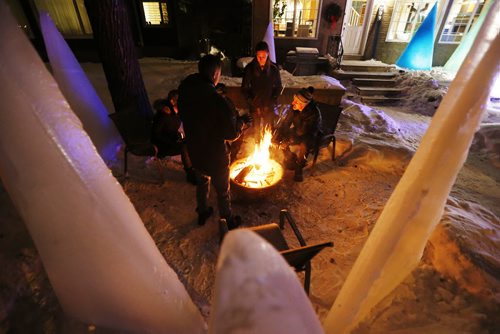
(173, 101)
(298, 104)
(261, 57)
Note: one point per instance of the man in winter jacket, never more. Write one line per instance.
(261, 85)
(209, 123)
(300, 127)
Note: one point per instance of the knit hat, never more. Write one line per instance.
(305, 95)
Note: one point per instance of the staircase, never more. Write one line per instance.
(369, 82)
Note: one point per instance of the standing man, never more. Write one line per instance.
(261, 85)
(209, 123)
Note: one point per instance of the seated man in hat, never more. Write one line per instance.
(299, 128)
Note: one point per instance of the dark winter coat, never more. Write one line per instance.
(165, 132)
(301, 126)
(261, 87)
(209, 121)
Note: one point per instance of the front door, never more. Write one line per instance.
(358, 13)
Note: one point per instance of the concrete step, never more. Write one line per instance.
(380, 91)
(365, 82)
(365, 66)
(352, 57)
(341, 74)
(379, 99)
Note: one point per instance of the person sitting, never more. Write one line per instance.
(299, 128)
(166, 134)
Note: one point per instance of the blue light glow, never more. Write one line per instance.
(79, 92)
(418, 53)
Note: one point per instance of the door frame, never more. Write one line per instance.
(370, 4)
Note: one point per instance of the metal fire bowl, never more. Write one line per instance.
(250, 192)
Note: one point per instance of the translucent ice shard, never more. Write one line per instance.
(419, 51)
(269, 39)
(458, 56)
(256, 291)
(79, 92)
(395, 245)
(103, 265)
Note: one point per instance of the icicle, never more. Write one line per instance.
(458, 56)
(269, 39)
(257, 292)
(418, 53)
(102, 264)
(396, 243)
(79, 92)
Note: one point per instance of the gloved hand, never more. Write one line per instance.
(246, 118)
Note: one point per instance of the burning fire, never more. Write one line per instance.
(258, 170)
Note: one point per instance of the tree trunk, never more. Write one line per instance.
(112, 31)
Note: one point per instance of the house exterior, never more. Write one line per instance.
(383, 28)
(378, 29)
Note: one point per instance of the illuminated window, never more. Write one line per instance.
(407, 16)
(462, 15)
(295, 18)
(155, 12)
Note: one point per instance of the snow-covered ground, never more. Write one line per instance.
(455, 289)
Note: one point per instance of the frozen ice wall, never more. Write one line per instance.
(257, 292)
(79, 92)
(269, 39)
(397, 241)
(103, 265)
(458, 56)
(418, 53)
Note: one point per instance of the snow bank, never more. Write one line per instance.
(423, 92)
(466, 247)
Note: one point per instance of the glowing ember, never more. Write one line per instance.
(258, 170)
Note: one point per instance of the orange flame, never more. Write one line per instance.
(264, 171)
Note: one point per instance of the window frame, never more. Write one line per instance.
(396, 23)
(474, 15)
(156, 25)
(297, 28)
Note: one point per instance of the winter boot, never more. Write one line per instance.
(299, 177)
(203, 216)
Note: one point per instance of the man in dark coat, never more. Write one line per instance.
(209, 123)
(301, 127)
(261, 85)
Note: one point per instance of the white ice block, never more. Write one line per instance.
(395, 245)
(103, 265)
(269, 39)
(79, 92)
(256, 291)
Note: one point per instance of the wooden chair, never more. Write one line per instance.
(299, 258)
(330, 115)
(136, 134)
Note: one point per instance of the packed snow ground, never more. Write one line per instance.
(455, 289)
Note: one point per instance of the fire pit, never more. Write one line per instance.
(257, 171)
